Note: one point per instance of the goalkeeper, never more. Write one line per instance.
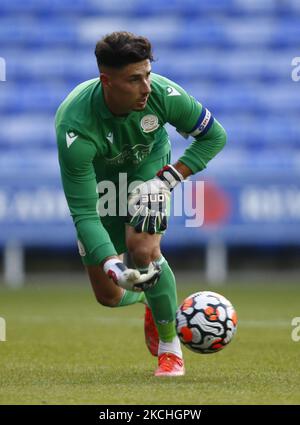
(112, 127)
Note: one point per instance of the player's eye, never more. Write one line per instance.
(138, 78)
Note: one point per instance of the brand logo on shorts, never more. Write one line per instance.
(149, 123)
(110, 137)
(81, 249)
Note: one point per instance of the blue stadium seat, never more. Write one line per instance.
(22, 128)
(144, 7)
(37, 32)
(50, 64)
(255, 97)
(195, 64)
(234, 56)
(175, 31)
(35, 97)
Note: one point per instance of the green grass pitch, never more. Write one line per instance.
(64, 348)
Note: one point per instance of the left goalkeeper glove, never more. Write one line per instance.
(148, 202)
(131, 279)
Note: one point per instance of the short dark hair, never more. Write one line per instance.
(121, 48)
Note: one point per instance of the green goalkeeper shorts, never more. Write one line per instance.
(116, 224)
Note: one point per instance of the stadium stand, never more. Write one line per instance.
(233, 55)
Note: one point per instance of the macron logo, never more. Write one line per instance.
(70, 138)
(110, 137)
(173, 92)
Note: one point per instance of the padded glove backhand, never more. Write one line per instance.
(148, 203)
(131, 279)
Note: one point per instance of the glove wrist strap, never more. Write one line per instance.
(170, 176)
(114, 268)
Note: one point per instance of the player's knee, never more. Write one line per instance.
(143, 255)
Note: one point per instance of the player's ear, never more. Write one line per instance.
(105, 80)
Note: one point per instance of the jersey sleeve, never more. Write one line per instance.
(204, 148)
(191, 118)
(76, 156)
(182, 110)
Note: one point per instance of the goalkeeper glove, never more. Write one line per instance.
(131, 279)
(148, 202)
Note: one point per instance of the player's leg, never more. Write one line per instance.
(106, 291)
(162, 299)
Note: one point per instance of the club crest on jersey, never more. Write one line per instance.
(149, 123)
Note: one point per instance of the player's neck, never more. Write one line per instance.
(113, 106)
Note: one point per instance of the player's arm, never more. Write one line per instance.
(76, 156)
(190, 119)
(201, 151)
(79, 183)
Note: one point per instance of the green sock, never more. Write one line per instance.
(130, 297)
(162, 299)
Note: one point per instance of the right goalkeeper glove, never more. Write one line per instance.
(131, 279)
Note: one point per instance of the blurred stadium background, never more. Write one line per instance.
(235, 56)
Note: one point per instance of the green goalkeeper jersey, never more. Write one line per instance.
(95, 145)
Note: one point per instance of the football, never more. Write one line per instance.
(206, 322)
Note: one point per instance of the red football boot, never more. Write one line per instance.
(151, 334)
(169, 365)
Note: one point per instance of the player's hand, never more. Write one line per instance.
(148, 203)
(131, 279)
(149, 279)
(147, 206)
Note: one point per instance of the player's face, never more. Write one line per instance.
(128, 88)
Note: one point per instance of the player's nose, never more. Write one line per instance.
(146, 88)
